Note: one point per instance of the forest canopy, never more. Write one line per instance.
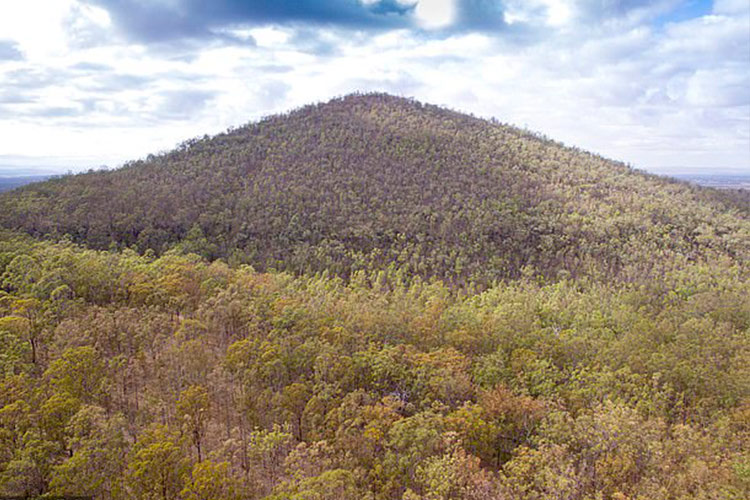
(374, 299)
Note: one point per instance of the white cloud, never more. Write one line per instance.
(269, 36)
(718, 87)
(37, 26)
(731, 6)
(433, 14)
(548, 12)
(558, 12)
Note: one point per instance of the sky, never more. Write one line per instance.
(663, 85)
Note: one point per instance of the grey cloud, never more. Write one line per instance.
(115, 82)
(436, 61)
(188, 21)
(9, 51)
(55, 112)
(28, 78)
(36, 112)
(107, 79)
(14, 97)
(273, 94)
(186, 48)
(88, 66)
(182, 104)
(275, 68)
(184, 19)
(19, 96)
(403, 83)
(480, 15)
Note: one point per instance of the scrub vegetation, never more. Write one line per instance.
(375, 299)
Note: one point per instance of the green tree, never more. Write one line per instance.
(79, 372)
(97, 461)
(211, 481)
(157, 465)
(193, 408)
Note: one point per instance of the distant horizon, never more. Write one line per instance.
(11, 171)
(33, 167)
(18, 166)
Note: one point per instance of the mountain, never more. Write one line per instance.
(733, 181)
(375, 182)
(8, 183)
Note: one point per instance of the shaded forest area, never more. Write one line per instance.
(374, 299)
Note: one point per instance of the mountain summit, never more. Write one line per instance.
(381, 182)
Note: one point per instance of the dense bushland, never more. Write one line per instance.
(126, 376)
(374, 299)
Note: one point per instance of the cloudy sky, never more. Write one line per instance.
(660, 84)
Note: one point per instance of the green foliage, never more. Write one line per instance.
(585, 343)
(157, 466)
(193, 406)
(14, 353)
(96, 462)
(203, 381)
(207, 382)
(211, 481)
(337, 483)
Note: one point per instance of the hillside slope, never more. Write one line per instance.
(372, 181)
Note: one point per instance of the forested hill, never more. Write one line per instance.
(621, 373)
(369, 182)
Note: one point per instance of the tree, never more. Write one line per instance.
(211, 481)
(80, 373)
(28, 472)
(339, 484)
(97, 462)
(193, 408)
(294, 399)
(25, 323)
(157, 465)
(454, 475)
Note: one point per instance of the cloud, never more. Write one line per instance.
(13, 97)
(167, 20)
(538, 17)
(9, 51)
(480, 15)
(160, 21)
(181, 104)
(55, 112)
(432, 14)
(30, 78)
(731, 7)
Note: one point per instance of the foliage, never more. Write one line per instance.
(441, 308)
(244, 385)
